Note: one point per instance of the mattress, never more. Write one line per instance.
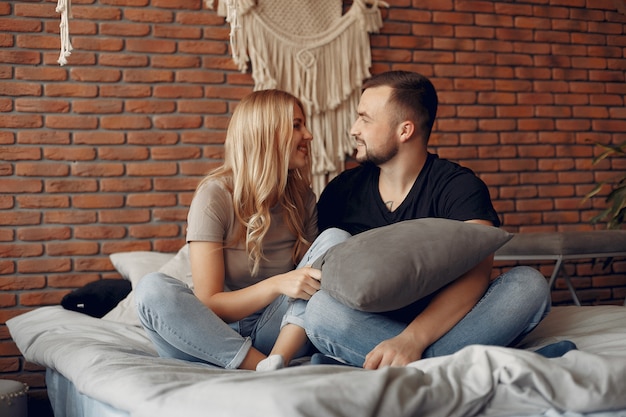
(112, 370)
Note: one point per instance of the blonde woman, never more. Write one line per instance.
(251, 221)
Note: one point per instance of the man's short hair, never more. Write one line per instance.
(413, 97)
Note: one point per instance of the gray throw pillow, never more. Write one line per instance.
(390, 267)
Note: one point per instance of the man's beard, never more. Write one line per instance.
(378, 158)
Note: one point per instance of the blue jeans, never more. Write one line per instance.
(511, 307)
(182, 327)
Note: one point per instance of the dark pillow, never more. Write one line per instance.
(97, 298)
(390, 267)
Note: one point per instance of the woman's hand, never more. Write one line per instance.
(300, 283)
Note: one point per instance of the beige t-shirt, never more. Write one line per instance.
(211, 218)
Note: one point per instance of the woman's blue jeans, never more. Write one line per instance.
(181, 326)
(511, 307)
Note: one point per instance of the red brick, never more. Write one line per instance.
(125, 122)
(124, 29)
(39, 234)
(151, 169)
(73, 280)
(68, 90)
(171, 215)
(41, 169)
(151, 200)
(20, 57)
(45, 137)
(153, 231)
(20, 250)
(40, 74)
(148, 76)
(100, 200)
(177, 32)
(177, 122)
(178, 4)
(152, 138)
(92, 264)
(42, 201)
(203, 137)
(98, 138)
(71, 122)
(124, 154)
(125, 185)
(72, 217)
(20, 186)
(151, 106)
(123, 60)
(36, 298)
(99, 75)
(126, 246)
(20, 121)
(99, 232)
(69, 154)
(29, 266)
(148, 15)
(203, 47)
(158, 46)
(70, 185)
(175, 184)
(133, 91)
(178, 91)
(133, 216)
(27, 105)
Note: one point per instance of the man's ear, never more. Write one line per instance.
(406, 130)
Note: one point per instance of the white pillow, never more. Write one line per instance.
(135, 265)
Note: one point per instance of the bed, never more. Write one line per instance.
(106, 367)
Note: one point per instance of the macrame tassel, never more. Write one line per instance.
(370, 13)
(232, 10)
(63, 7)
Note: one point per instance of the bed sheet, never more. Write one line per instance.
(115, 364)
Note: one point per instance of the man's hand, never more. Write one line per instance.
(397, 351)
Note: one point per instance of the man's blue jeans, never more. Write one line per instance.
(511, 307)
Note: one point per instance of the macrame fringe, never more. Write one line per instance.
(63, 7)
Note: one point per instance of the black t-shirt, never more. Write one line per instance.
(443, 189)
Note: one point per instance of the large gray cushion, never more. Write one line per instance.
(390, 267)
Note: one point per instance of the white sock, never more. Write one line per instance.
(271, 363)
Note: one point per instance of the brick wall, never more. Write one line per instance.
(102, 155)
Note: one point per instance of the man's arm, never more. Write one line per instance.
(444, 311)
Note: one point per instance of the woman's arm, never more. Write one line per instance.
(207, 270)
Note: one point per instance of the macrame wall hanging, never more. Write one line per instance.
(314, 51)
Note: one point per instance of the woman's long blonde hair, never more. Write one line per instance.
(258, 147)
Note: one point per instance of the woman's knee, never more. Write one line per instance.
(334, 234)
(153, 289)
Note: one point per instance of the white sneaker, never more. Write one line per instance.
(271, 363)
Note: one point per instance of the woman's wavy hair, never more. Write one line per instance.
(257, 150)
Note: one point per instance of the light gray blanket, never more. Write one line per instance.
(116, 364)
